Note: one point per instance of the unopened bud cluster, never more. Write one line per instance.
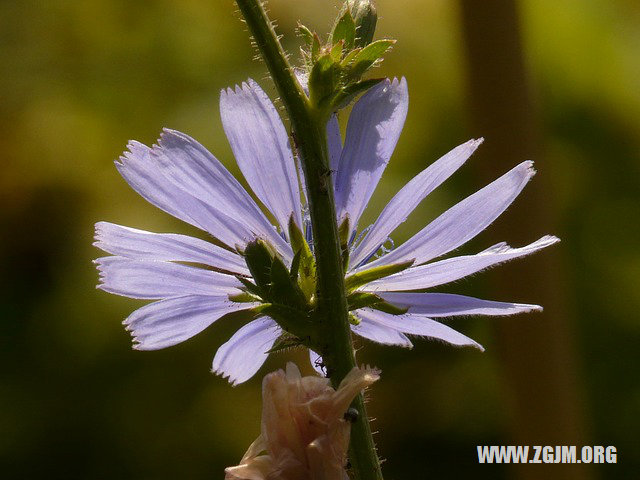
(335, 68)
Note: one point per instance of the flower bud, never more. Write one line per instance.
(365, 16)
(306, 426)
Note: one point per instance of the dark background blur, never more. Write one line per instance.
(557, 82)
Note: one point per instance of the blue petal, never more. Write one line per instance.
(417, 325)
(373, 130)
(408, 198)
(377, 332)
(451, 305)
(174, 320)
(151, 280)
(451, 269)
(245, 352)
(142, 245)
(463, 221)
(193, 168)
(261, 146)
(143, 173)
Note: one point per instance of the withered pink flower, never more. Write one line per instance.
(304, 433)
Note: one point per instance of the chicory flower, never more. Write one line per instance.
(194, 282)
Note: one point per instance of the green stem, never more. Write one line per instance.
(309, 129)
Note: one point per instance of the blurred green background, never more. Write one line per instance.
(79, 79)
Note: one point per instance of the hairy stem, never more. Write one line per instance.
(309, 129)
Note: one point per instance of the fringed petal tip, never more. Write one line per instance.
(526, 308)
(98, 230)
(248, 86)
(168, 135)
(234, 381)
(371, 374)
(135, 150)
(548, 240)
(504, 247)
(223, 375)
(100, 266)
(528, 165)
(245, 352)
(395, 82)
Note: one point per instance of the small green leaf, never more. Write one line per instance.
(349, 57)
(298, 242)
(292, 320)
(344, 29)
(307, 269)
(259, 259)
(251, 288)
(315, 48)
(322, 79)
(368, 56)
(356, 280)
(285, 342)
(244, 297)
(348, 94)
(390, 308)
(343, 231)
(284, 290)
(358, 300)
(295, 266)
(336, 52)
(306, 34)
(361, 300)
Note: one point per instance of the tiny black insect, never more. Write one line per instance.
(351, 415)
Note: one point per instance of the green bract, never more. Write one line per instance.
(335, 69)
(287, 294)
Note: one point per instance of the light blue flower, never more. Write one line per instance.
(179, 176)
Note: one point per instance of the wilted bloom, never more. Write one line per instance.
(196, 282)
(304, 432)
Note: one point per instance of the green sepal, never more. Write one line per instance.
(284, 290)
(356, 280)
(323, 79)
(345, 30)
(244, 297)
(306, 272)
(368, 56)
(285, 342)
(298, 242)
(315, 48)
(306, 34)
(259, 258)
(294, 270)
(336, 54)
(349, 57)
(250, 286)
(292, 320)
(348, 94)
(343, 231)
(358, 300)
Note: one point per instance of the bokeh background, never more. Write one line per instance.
(557, 82)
